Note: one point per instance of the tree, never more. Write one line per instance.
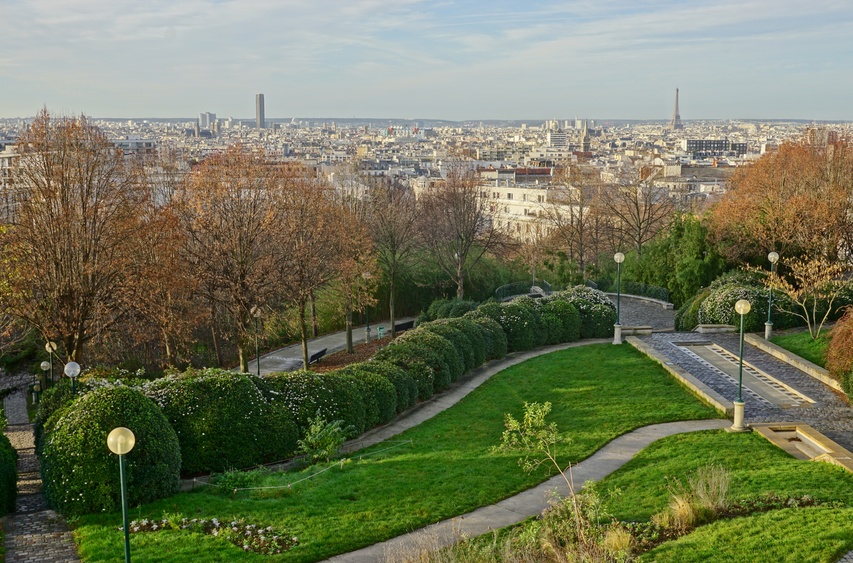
(812, 284)
(456, 227)
(392, 216)
(229, 213)
(74, 223)
(573, 209)
(312, 241)
(639, 209)
(796, 201)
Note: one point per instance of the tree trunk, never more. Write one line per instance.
(244, 362)
(303, 331)
(315, 326)
(350, 349)
(460, 283)
(391, 305)
(168, 351)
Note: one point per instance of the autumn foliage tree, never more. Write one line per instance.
(73, 224)
(795, 201)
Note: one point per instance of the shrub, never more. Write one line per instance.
(518, 323)
(433, 350)
(80, 475)
(540, 332)
(322, 439)
(8, 471)
(839, 352)
(457, 337)
(646, 290)
(50, 401)
(719, 307)
(438, 309)
(306, 394)
(564, 320)
(597, 312)
(687, 317)
(378, 394)
(218, 416)
(475, 333)
(494, 337)
(416, 368)
(405, 387)
(460, 307)
(282, 435)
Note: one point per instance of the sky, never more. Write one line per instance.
(429, 59)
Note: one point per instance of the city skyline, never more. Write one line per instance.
(377, 58)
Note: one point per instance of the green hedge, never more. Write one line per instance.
(405, 387)
(561, 320)
(433, 350)
(8, 471)
(460, 339)
(79, 473)
(218, 415)
(597, 312)
(377, 393)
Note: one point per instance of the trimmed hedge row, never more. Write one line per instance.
(8, 471)
(224, 420)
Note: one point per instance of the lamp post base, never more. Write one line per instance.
(617, 334)
(738, 425)
(768, 330)
(367, 334)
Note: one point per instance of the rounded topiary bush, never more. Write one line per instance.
(50, 401)
(494, 337)
(597, 312)
(687, 317)
(433, 350)
(79, 473)
(475, 334)
(404, 385)
(8, 472)
(307, 394)
(719, 307)
(378, 394)
(568, 321)
(218, 416)
(459, 307)
(457, 338)
(415, 367)
(519, 325)
(540, 332)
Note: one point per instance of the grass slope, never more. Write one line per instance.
(599, 392)
(802, 344)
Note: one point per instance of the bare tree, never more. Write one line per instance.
(393, 217)
(456, 226)
(229, 215)
(69, 262)
(639, 210)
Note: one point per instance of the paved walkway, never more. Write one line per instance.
(289, 358)
(33, 533)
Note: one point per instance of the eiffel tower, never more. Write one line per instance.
(676, 124)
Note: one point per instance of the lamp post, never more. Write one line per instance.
(768, 326)
(45, 366)
(617, 328)
(742, 307)
(120, 441)
(256, 313)
(50, 347)
(72, 370)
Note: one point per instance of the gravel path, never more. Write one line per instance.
(33, 533)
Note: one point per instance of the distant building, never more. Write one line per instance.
(259, 111)
(676, 124)
(206, 119)
(702, 148)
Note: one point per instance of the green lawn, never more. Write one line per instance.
(802, 344)
(817, 534)
(599, 392)
(756, 467)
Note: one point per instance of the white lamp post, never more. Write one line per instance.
(120, 441)
(72, 370)
(50, 348)
(768, 326)
(617, 328)
(742, 307)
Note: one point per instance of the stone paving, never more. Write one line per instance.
(33, 533)
(829, 415)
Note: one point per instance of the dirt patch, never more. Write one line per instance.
(361, 352)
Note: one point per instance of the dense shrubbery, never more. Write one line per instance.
(646, 290)
(219, 417)
(377, 393)
(597, 312)
(494, 338)
(446, 308)
(839, 353)
(78, 471)
(431, 349)
(405, 387)
(562, 321)
(8, 471)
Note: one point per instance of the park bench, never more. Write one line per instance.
(315, 357)
(401, 327)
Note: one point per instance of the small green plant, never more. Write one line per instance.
(322, 439)
(701, 500)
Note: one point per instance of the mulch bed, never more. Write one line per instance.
(361, 353)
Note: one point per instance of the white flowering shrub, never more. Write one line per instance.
(79, 474)
(719, 307)
(597, 312)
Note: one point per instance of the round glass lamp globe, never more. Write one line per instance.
(121, 440)
(45, 366)
(773, 257)
(619, 257)
(72, 369)
(743, 307)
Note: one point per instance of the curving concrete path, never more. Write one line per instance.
(532, 501)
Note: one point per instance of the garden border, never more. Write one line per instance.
(792, 359)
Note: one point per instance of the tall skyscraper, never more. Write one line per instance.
(676, 123)
(259, 111)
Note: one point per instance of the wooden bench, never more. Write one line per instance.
(401, 327)
(315, 357)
